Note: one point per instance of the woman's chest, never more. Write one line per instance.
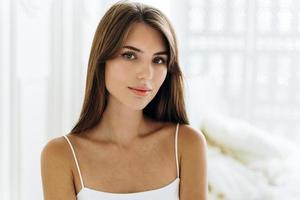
(141, 168)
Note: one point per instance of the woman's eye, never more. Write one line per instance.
(159, 60)
(128, 55)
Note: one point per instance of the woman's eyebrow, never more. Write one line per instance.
(139, 50)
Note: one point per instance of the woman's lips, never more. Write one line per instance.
(140, 91)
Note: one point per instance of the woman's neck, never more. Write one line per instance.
(121, 125)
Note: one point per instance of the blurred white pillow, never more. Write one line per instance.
(230, 180)
(242, 140)
(281, 173)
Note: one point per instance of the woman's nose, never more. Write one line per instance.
(145, 71)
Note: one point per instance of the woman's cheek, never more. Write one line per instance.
(162, 75)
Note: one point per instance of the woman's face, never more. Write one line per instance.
(134, 76)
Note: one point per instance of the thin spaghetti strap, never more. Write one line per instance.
(76, 162)
(176, 149)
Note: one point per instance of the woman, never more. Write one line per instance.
(132, 140)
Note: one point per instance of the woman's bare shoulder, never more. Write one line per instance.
(191, 137)
(193, 163)
(56, 169)
(56, 148)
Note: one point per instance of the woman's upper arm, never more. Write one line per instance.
(56, 171)
(193, 166)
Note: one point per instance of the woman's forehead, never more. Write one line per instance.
(145, 38)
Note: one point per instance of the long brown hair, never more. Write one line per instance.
(168, 104)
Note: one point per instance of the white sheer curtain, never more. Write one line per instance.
(250, 50)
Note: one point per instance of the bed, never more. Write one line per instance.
(247, 163)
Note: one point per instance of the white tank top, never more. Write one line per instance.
(167, 192)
